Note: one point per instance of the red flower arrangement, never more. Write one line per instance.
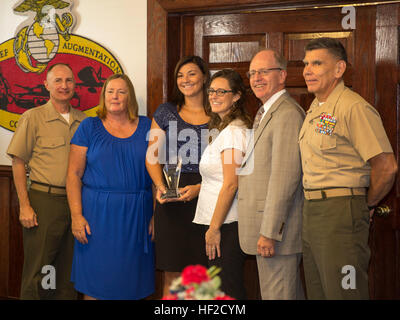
(194, 274)
(197, 283)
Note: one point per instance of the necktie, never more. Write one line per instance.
(258, 117)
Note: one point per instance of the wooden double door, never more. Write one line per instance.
(230, 38)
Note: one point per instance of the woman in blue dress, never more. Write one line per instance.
(110, 196)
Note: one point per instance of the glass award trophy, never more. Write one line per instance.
(172, 173)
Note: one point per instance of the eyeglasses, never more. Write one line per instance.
(262, 72)
(219, 92)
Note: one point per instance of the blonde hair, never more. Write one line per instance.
(132, 105)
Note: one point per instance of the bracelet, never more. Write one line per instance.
(371, 207)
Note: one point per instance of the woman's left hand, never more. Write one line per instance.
(213, 240)
(189, 192)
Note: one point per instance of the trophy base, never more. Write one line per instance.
(170, 194)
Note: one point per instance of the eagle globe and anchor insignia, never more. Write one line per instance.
(46, 39)
(40, 40)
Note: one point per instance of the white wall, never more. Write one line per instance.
(118, 25)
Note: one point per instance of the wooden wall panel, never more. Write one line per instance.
(365, 55)
(4, 235)
(212, 5)
(250, 23)
(156, 56)
(385, 232)
(232, 52)
(175, 41)
(16, 246)
(11, 249)
(187, 31)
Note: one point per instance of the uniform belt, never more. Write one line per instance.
(334, 192)
(39, 186)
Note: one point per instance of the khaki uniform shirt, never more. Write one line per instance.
(42, 140)
(338, 138)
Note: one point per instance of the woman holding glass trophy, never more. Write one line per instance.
(172, 161)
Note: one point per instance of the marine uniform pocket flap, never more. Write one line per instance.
(51, 142)
(327, 142)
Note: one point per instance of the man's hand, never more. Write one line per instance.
(371, 214)
(27, 217)
(266, 247)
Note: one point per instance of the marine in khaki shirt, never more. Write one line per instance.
(42, 142)
(338, 138)
(348, 167)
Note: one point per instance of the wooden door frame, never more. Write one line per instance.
(212, 6)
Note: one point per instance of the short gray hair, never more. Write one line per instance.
(334, 47)
(58, 64)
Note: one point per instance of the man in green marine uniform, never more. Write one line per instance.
(42, 142)
(348, 167)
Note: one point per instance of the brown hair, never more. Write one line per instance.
(132, 105)
(177, 96)
(238, 110)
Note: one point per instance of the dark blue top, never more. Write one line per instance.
(182, 138)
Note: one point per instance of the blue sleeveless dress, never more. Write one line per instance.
(117, 202)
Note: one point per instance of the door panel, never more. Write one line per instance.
(384, 272)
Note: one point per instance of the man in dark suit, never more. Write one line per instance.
(270, 192)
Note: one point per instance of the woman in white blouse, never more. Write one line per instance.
(219, 165)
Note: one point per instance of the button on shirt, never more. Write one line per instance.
(338, 138)
(42, 140)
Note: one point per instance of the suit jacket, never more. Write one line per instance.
(270, 196)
